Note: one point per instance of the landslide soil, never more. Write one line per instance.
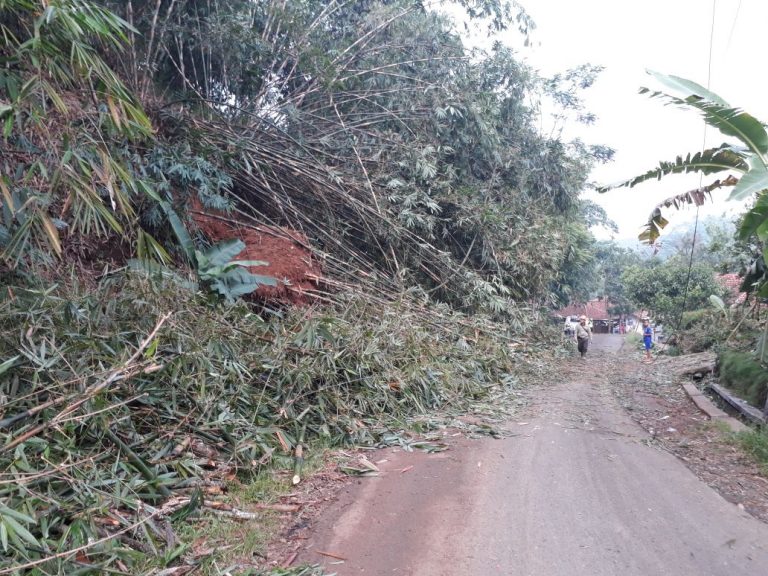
(625, 415)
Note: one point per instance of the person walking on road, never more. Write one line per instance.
(583, 336)
(647, 339)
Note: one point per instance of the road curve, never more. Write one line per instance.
(578, 490)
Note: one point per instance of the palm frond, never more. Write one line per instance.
(755, 220)
(656, 222)
(731, 121)
(711, 161)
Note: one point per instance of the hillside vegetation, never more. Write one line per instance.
(406, 171)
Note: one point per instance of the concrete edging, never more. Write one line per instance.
(705, 405)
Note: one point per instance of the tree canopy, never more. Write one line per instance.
(403, 155)
(667, 289)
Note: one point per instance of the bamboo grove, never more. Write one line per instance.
(411, 165)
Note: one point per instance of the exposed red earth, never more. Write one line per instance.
(285, 250)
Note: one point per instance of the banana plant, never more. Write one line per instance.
(748, 158)
(226, 277)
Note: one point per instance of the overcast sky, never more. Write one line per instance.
(628, 37)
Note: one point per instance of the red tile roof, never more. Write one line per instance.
(594, 309)
(732, 282)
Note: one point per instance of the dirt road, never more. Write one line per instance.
(577, 490)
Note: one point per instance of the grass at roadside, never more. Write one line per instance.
(224, 544)
(755, 443)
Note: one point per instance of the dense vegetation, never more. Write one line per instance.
(410, 166)
(738, 334)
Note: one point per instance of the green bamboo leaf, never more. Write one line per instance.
(8, 127)
(5, 366)
(19, 530)
(21, 517)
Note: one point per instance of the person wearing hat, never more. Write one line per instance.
(583, 336)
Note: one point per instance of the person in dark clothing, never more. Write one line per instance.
(583, 336)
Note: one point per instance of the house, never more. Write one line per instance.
(596, 310)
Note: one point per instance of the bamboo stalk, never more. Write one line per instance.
(149, 476)
(125, 371)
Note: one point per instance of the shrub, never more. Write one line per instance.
(755, 442)
(702, 330)
(741, 372)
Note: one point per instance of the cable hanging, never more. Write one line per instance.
(701, 176)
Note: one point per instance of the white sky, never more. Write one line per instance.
(668, 36)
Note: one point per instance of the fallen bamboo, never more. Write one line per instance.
(124, 372)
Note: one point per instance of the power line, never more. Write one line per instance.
(733, 26)
(701, 175)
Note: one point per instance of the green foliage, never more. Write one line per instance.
(701, 330)
(755, 443)
(409, 164)
(612, 260)
(741, 372)
(226, 277)
(661, 288)
(369, 127)
(223, 380)
(67, 118)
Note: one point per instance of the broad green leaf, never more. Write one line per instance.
(266, 280)
(754, 218)
(687, 87)
(730, 121)
(182, 235)
(249, 263)
(223, 252)
(756, 180)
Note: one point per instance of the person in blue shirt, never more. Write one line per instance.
(647, 338)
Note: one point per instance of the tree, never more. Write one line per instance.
(749, 158)
(370, 127)
(612, 261)
(667, 290)
(66, 118)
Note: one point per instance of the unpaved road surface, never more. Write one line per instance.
(577, 490)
